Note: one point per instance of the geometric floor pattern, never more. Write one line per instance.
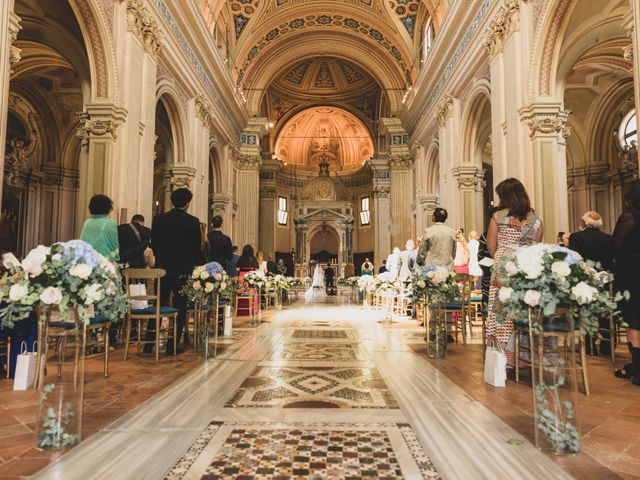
(313, 387)
(335, 352)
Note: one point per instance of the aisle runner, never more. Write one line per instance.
(297, 450)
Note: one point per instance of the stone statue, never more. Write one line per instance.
(17, 153)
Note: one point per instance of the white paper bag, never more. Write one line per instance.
(495, 367)
(25, 375)
(228, 321)
(135, 290)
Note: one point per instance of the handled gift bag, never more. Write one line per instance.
(25, 376)
(138, 290)
(495, 367)
(228, 321)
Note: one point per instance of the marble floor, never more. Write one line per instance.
(319, 392)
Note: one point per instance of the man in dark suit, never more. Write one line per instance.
(595, 245)
(272, 266)
(329, 275)
(220, 247)
(176, 242)
(134, 238)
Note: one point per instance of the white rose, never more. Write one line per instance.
(532, 298)
(56, 257)
(421, 284)
(51, 296)
(94, 293)
(208, 287)
(223, 285)
(511, 269)
(505, 293)
(32, 264)
(81, 270)
(584, 293)
(217, 277)
(197, 286)
(561, 269)
(108, 266)
(204, 275)
(17, 292)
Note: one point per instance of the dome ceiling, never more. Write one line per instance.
(324, 76)
(324, 134)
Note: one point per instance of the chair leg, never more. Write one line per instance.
(516, 359)
(583, 361)
(128, 338)
(612, 339)
(106, 349)
(175, 335)
(158, 320)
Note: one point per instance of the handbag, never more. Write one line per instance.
(228, 321)
(138, 290)
(495, 367)
(25, 376)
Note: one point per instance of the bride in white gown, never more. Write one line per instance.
(317, 288)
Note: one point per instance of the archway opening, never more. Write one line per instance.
(163, 159)
(324, 245)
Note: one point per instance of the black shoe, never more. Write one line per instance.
(179, 350)
(635, 368)
(627, 370)
(450, 339)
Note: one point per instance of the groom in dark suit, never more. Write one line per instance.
(176, 243)
(329, 275)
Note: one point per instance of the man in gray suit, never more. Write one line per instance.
(438, 245)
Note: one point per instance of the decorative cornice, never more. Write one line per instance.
(546, 121)
(445, 110)
(142, 23)
(507, 22)
(469, 177)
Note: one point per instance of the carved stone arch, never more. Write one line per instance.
(479, 99)
(167, 94)
(340, 46)
(96, 32)
(433, 167)
(216, 159)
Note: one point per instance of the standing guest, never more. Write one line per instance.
(366, 268)
(513, 225)
(272, 266)
(204, 243)
(134, 239)
(247, 261)
(262, 263)
(438, 245)
(99, 230)
(483, 254)
(595, 245)
(176, 243)
(474, 248)
(233, 263)
(626, 253)
(220, 247)
(461, 259)
(329, 275)
(383, 267)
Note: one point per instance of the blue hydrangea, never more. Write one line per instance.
(428, 268)
(76, 251)
(213, 268)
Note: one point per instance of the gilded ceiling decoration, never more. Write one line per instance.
(324, 76)
(242, 11)
(407, 12)
(324, 135)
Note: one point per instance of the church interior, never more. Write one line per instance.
(324, 134)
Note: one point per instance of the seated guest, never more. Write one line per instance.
(559, 239)
(99, 230)
(247, 261)
(232, 268)
(272, 266)
(383, 268)
(134, 239)
(282, 268)
(595, 245)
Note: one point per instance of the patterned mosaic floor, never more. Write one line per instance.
(324, 451)
(313, 387)
(324, 334)
(319, 352)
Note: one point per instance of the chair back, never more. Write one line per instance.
(149, 277)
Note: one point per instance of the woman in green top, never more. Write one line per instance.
(99, 230)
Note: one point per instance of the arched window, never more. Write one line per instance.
(429, 36)
(628, 132)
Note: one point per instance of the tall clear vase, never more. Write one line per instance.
(436, 331)
(554, 383)
(60, 382)
(208, 327)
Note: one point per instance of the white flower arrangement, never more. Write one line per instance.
(256, 279)
(435, 284)
(545, 277)
(207, 280)
(67, 276)
(386, 284)
(365, 283)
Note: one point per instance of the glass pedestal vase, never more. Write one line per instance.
(208, 328)
(436, 331)
(553, 378)
(60, 383)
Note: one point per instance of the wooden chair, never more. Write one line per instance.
(612, 340)
(564, 336)
(5, 351)
(154, 312)
(459, 309)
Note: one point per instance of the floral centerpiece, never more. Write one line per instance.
(385, 284)
(207, 280)
(256, 279)
(365, 283)
(279, 282)
(69, 276)
(435, 284)
(349, 282)
(544, 277)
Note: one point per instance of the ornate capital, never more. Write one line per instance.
(14, 26)
(249, 162)
(381, 191)
(469, 177)
(142, 23)
(181, 176)
(627, 53)
(401, 162)
(204, 109)
(268, 192)
(219, 204)
(100, 124)
(445, 110)
(547, 121)
(506, 22)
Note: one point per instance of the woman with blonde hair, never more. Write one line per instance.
(262, 263)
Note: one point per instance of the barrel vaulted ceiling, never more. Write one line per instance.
(263, 40)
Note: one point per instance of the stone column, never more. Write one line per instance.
(381, 218)
(201, 132)
(449, 127)
(428, 204)
(9, 28)
(548, 130)
(632, 51)
(470, 184)
(268, 218)
(137, 39)
(98, 131)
